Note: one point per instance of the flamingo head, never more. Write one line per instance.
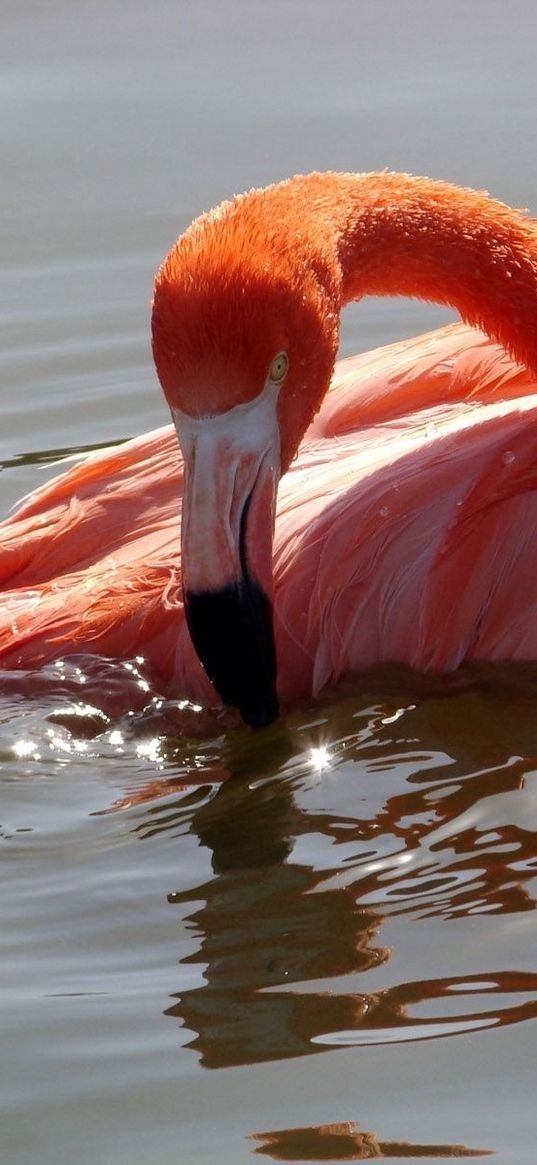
(245, 333)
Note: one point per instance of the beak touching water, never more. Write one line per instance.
(232, 465)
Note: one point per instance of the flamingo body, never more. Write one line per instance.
(406, 530)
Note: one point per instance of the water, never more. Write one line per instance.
(219, 943)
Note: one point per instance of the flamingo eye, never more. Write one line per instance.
(278, 368)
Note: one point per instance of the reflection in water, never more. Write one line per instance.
(386, 1019)
(403, 807)
(261, 927)
(451, 859)
(442, 840)
(347, 1142)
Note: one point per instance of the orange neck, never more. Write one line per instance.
(400, 235)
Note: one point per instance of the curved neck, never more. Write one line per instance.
(399, 235)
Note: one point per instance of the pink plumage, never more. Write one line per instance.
(406, 530)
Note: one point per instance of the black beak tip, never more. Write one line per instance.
(261, 716)
(232, 632)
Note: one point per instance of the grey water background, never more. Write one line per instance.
(206, 941)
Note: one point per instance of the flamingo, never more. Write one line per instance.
(405, 525)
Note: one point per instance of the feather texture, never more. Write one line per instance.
(406, 530)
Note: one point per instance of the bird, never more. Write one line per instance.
(332, 515)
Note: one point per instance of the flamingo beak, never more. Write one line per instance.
(232, 463)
